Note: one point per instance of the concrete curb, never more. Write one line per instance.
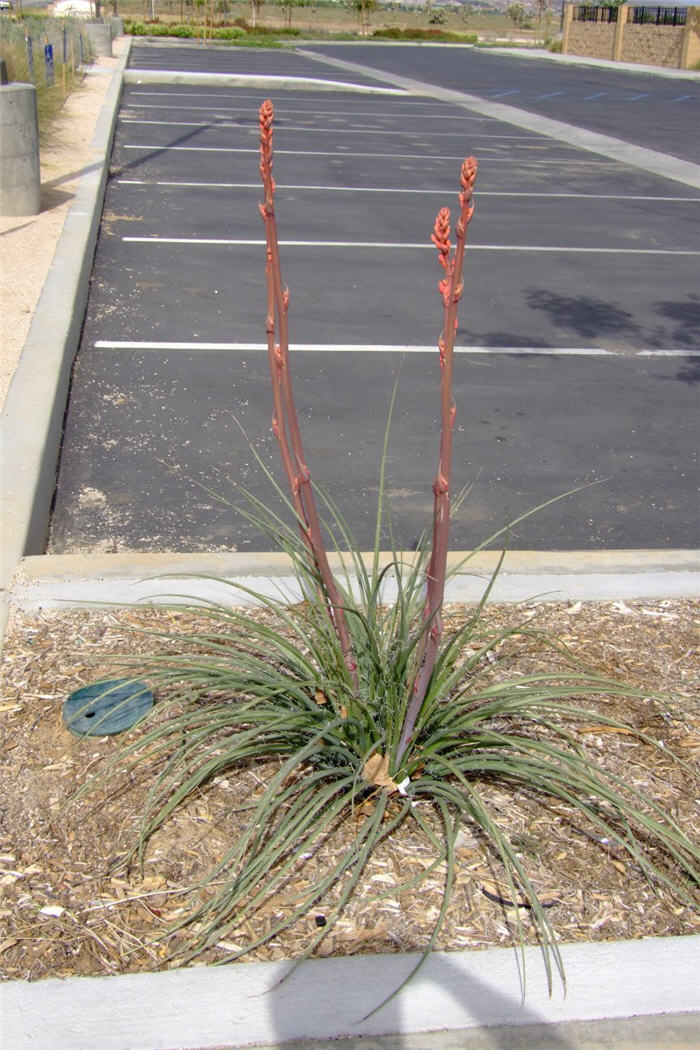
(167, 76)
(69, 581)
(244, 1004)
(31, 422)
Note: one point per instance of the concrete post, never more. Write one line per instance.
(20, 179)
(622, 15)
(690, 47)
(566, 28)
(100, 38)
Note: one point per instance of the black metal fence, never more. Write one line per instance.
(659, 16)
(589, 13)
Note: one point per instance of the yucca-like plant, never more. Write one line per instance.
(374, 717)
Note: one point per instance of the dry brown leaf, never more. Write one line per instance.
(376, 771)
(320, 698)
(610, 729)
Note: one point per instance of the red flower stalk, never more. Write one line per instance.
(451, 288)
(285, 424)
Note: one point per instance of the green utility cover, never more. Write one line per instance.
(106, 707)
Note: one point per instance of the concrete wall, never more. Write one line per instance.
(676, 47)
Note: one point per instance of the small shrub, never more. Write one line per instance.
(183, 31)
(262, 31)
(228, 33)
(435, 35)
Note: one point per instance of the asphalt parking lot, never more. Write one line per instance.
(579, 342)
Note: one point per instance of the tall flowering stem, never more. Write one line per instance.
(285, 424)
(450, 288)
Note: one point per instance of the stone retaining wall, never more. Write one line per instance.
(652, 45)
(593, 39)
(677, 47)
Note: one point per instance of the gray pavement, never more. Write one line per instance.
(579, 337)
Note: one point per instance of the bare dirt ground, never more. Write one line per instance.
(28, 243)
(66, 909)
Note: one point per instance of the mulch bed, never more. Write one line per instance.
(65, 909)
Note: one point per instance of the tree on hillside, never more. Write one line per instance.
(363, 8)
(519, 15)
(287, 7)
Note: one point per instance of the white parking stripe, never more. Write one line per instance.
(292, 103)
(325, 153)
(400, 189)
(370, 348)
(388, 245)
(214, 125)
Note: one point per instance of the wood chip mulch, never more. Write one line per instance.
(64, 910)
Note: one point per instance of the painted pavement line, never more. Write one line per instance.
(291, 103)
(404, 189)
(214, 125)
(379, 348)
(661, 164)
(130, 105)
(154, 148)
(391, 245)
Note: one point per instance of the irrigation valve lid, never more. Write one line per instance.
(107, 707)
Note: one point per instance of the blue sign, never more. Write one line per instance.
(48, 62)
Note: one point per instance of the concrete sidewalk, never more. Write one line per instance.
(665, 1032)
